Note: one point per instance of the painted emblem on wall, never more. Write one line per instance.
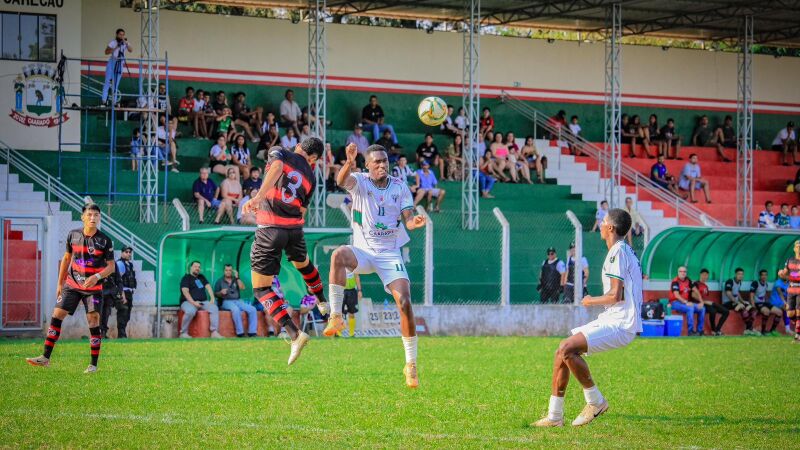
(37, 97)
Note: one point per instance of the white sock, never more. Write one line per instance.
(593, 396)
(336, 296)
(556, 409)
(410, 345)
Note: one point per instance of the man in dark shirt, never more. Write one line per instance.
(206, 193)
(220, 103)
(228, 290)
(196, 295)
(254, 181)
(672, 140)
(703, 136)
(428, 151)
(660, 176)
(386, 142)
(713, 309)
(88, 259)
(372, 117)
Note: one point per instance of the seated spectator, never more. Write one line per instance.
(196, 295)
(559, 122)
(164, 104)
(682, 301)
(783, 219)
(637, 225)
(166, 142)
(733, 300)
(703, 136)
(245, 117)
(644, 135)
(692, 180)
(225, 126)
(240, 156)
(268, 140)
(454, 155)
(461, 120)
(654, 132)
(726, 136)
(517, 164)
(672, 140)
(290, 113)
(208, 117)
(449, 127)
(359, 139)
(230, 195)
(249, 218)
(758, 298)
(766, 219)
(186, 108)
(289, 140)
(253, 181)
(387, 142)
(427, 151)
(228, 289)
(136, 148)
(372, 116)
(218, 156)
(305, 132)
(499, 150)
(200, 130)
(550, 276)
(486, 123)
(713, 309)
(794, 220)
(268, 122)
(486, 177)
(404, 173)
(206, 193)
(425, 188)
(220, 103)
(600, 215)
(660, 176)
(531, 155)
(786, 141)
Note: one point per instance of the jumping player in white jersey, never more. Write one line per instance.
(381, 205)
(614, 328)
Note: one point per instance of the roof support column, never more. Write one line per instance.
(744, 122)
(470, 94)
(148, 122)
(613, 106)
(317, 101)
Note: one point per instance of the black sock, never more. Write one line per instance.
(276, 308)
(764, 320)
(94, 342)
(775, 321)
(53, 333)
(313, 281)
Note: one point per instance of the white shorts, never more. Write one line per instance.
(388, 264)
(434, 192)
(602, 336)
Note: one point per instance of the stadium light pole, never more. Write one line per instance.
(317, 99)
(470, 95)
(613, 105)
(148, 122)
(744, 122)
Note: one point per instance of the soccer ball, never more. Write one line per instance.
(432, 111)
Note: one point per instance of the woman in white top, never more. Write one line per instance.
(218, 156)
(289, 141)
(240, 156)
(249, 218)
(231, 194)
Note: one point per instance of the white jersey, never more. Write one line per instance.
(621, 263)
(377, 213)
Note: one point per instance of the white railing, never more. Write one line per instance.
(68, 197)
(428, 292)
(628, 173)
(505, 259)
(185, 225)
(578, 264)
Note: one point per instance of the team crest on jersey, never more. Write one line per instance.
(395, 197)
(612, 259)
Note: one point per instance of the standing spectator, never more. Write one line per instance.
(427, 151)
(116, 49)
(359, 139)
(794, 219)
(228, 290)
(230, 195)
(218, 156)
(289, 140)
(127, 276)
(485, 175)
(136, 149)
(766, 219)
(692, 180)
(654, 133)
(199, 118)
(245, 117)
(660, 176)
(404, 173)
(786, 141)
(732, 300)
(225, 126)
(682, 301)
(486, 123)
(425, 187)
(783, 219)
(290, 112)
(637, 224)
(206, 193)
(644, 135)
(568, 277)
(600, 215)
(758, 298)
(246, 218)
(196, 295)
(550, 277)
(559, 122)
(672, 140)
(713, 309)
(531, 155)
(449, 127)
(703, 136)
(240, 156)
(575, 129)
(372, 116)
(386, 141)
(254, 180)
(455, 161)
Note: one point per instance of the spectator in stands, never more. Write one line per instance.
(225, 126)
(196, 295)
(218, 156)
(165, 134)
(786, 141)
(692, 180)
(461, 120)
(575, 129)
(241, 217)
(455, 162)
(703, 136)
(637, 224)
(568, 277)
(359, 139)
(136, 148)
(558, 122)
(550, 277)
(305, 132)
(386, 141)
(230, 195)
(486, 122)
(289, 140)
(372, 116)
(245, 117)
(725, 137)
(732, 299)
(253, 181)
(332, 168)
(628, 134)
(499, 150)
(116, 61)
(268, 122)
(600, 215)
(449, 127)
(186, 108)
(794, 220)
(427, 151)
(164, 104)
(654, 133)
(758, 298)
(713, 309)
(228, 290)
(290, 112)
(220, 103)
(644, 135)
(672, 140)
(269, 140)
(783, 219)
(660, 176)
(531, 155)
(426, 187)
(198, 116)
(206, 193)
(209, 116)
(405, 173)
(516, 162)
(766, 219)
(240, 156)
(682, 301)
(486, 175)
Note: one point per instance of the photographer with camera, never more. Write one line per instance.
(117, 49)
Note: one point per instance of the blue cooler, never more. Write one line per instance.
(652, 328)
(673, 325)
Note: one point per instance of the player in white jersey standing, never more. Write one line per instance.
(614, 328)
(381, 205)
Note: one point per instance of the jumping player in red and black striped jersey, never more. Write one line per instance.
(280, 206)
(89, 258)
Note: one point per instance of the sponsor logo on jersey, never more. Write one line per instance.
(381, 226)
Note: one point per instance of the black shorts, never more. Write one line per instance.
(71, 298)
(793, 302)
(729, 144)
(350, 305)
(269, 245)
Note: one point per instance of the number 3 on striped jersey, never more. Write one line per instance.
(399, 267)
(295, 181)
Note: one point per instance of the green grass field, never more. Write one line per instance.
(475, 393)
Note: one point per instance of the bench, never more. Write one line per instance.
(199, 326)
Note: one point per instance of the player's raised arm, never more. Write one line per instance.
(343, 179)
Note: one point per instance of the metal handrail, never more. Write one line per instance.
(67, 196)
(628, 173)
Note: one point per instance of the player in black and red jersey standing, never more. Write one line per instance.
(280, 206)
(89, 258)
(791, 272)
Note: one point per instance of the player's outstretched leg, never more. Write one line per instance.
(401, 291)
(53, 333)
(314, 283)
(342, 259)
(277, 309)
(555, 410)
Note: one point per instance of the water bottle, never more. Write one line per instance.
(669, 309)
(758, 147)
(385, 304)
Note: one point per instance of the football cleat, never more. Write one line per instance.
(297, 346)
(545, 422)
(324, 308)
(589, 413)
(335, 325)
(410, 371)
(90, 369)
(39, 361)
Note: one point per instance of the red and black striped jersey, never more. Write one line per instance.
(285, 203)
(90, 255)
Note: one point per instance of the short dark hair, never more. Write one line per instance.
(486, 108)
(189, 88)
(287, 92)
(373, 96)
(118, 30)
(784, 204)
(728, 117)
(374, 148)
(573, 118)
(670, 120)
(692, 155)
(90, 207)
(200, 90)
(738, 269)
(604, 202)
(762, 271)
(620, 220)
(703, 270)
(194, 262)
(402, 157)
(768, 203)
(428, 135)
(254, 168)
(227, 265)
(313, 146)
